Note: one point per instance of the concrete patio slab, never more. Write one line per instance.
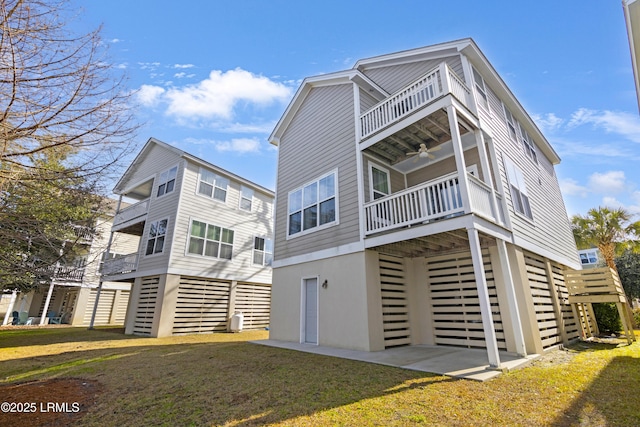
(464, 363)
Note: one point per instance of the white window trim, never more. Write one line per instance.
(264, 253)
(513, 122)
(241, 198)
(320, 227)
(188, 240)
(175, 180)
(215, 185)
(381, 169)
(528, 145)
(481, 87)
(166, 241)
(507, 163)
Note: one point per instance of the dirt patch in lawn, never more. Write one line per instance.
(54, 402)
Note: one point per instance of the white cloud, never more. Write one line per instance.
(238, 145)
(149, 95)
(548, 122)
(622, 123)
(216, 96)
(570, 187)
(182, 66)
(608, 182)
(182, 75)
(116, 40)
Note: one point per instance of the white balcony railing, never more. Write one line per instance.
(435, 199)
(120, 265)
(131, 212)
(438, 82)
(480, 197)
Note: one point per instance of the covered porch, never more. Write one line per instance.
(424, 158)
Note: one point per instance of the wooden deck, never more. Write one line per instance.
(598, 285)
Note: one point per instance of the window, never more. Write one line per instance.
(167, 181)
(511, 124)
(313, 205)
(210, 240)
(379, 182)
(518, 189)
(590, 257)
(481, 89)
(529, 148)
(212, 185)
(157, 234)
(262, 251)
(246, 198)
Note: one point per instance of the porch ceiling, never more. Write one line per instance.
(432, 130)
(436, 244)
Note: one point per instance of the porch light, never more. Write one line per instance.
(423, 155)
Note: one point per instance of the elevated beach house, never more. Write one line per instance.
(417, 203)
(204, 245)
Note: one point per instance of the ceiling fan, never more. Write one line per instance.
(424, 152)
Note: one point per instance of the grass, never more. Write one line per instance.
(221, 379)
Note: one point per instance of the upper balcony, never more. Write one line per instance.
(120, 265)
(130, 219)
(435, 84)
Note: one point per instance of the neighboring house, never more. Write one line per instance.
(418, 204)
(70, 297)
(632, 17)
(204, 245)
(590, 258)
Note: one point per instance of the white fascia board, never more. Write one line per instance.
(139, 158)
(491, 76)
(435, 51)
(319, 255)
(332, 79)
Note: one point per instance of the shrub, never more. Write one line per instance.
(636, 317)
(607, 317)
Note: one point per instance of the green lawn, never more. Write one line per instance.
(221, 379)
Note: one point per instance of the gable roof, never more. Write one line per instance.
(153, 142)
(357, 75)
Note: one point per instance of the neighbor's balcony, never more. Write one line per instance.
(438, 82)
(131, 214)
(429, 201)
(67, 273)
(120, 265)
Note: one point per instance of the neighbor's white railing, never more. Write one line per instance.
(131, 212)
(430, 200)
(120, 265)
(440, 81)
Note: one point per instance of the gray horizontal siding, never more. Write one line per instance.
(550, 229)
(246, 225)
(319, 139)
(161, 207)
(394, 78)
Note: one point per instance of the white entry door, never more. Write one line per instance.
(311, 311)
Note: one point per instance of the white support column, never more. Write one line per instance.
(12, 303)
(43, 318)
(463, 181)
(512, 301)
(483, 297)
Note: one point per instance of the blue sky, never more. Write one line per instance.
(214, 77)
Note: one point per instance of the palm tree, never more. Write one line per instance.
(610, 230)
